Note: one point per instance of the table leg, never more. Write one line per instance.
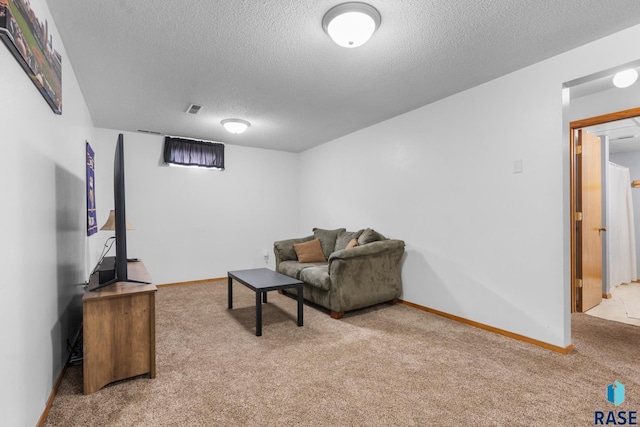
(258, 313)
(264, 297)
(300, 305)
(230, 291)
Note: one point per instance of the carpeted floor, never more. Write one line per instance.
(384, 366)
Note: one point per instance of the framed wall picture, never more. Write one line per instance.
(29, 40)
(92, 223)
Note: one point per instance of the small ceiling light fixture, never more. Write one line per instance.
(235, 125)
(625, 78)
(351, 24)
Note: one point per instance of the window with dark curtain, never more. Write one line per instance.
(189, 152)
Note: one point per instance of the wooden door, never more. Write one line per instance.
(590, 241)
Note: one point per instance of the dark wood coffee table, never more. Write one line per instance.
(261, 281)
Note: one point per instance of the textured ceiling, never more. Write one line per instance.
(141, 63)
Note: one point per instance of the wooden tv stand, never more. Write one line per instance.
(119, 330)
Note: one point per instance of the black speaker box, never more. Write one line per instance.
(107, 270)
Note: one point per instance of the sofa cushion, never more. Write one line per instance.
(327, 239)
(284, 248)
(345, 237)
(293, 268)
(310, 251)
(370, 235)
(317, 276)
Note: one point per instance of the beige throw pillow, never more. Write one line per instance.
(310, 251)
(352, 243)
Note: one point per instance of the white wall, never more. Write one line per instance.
(44, 227)
(198, 224)
(483, 242)
(605, 102)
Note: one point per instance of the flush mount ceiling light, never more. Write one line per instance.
(625, 78)
(351, 24)
(235, 125)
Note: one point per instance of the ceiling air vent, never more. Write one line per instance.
(193, 109)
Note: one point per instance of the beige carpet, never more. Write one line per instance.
(385, 366)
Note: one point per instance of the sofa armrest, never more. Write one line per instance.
(283, 249)
(365, 275)
(368, 249)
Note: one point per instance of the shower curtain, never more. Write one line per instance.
(620, 226)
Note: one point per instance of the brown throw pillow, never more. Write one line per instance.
(352, 243)
(344, 238)
(310, 251)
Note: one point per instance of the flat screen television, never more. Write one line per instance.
(120, 212)
(114, 269)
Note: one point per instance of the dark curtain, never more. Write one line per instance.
(190, 152)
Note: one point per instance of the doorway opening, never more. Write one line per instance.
(587, 227)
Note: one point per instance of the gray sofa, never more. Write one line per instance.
(350, 277)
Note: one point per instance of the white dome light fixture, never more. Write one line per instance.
(351, 24)
(625, 78)
(235, 125)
